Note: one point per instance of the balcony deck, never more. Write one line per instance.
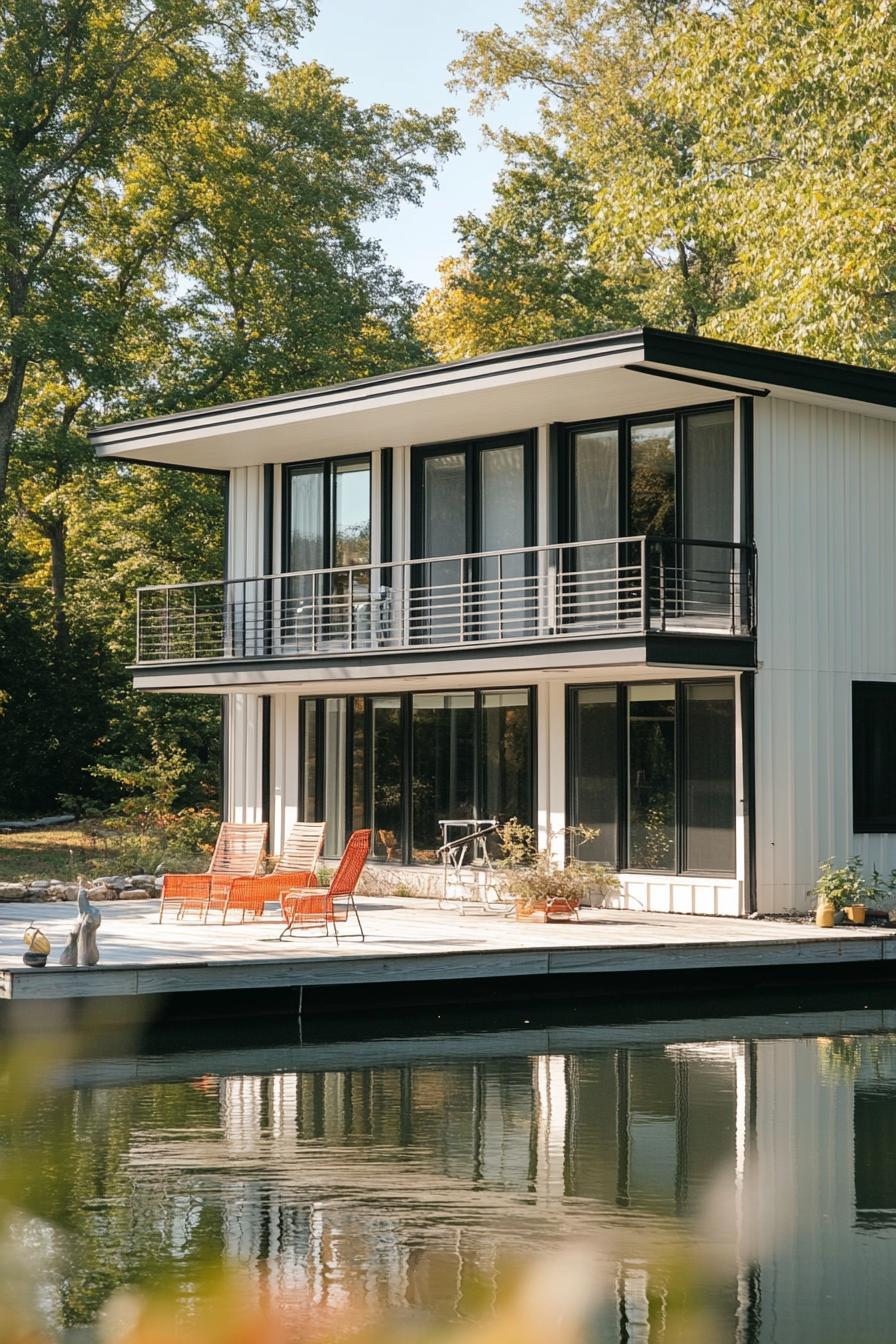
(622, 589)
(411, 941)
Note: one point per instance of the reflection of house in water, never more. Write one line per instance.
(410, 1185)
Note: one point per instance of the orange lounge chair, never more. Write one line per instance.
(238, 852)
(323, 906)
(294, 868)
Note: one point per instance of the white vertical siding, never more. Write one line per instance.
(244, 733)
(245, 523)
(825, 515)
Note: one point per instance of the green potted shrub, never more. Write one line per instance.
(837, 889)
(542, 885)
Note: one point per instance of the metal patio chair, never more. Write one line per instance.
(319, 907)
(467, 866)
(296, 867)
(238, 853)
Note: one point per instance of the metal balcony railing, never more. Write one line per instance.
(627, 585)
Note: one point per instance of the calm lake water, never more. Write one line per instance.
(759, 1152)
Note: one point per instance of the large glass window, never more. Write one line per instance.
(386, 777)
(594, 771)
(470, 498)
(327, 527)
(874, 756)
(709, 803)
(505, 750)
(651, 777)
(707, 512)
(651, 483)
(403, 763)
(442, 767)
(673, 765)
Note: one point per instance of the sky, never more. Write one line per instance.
(398, 52)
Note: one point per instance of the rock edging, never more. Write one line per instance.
(138, 887)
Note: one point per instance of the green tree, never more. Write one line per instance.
(526, 272)
(82, 86)
(221, 252)
(731, 163)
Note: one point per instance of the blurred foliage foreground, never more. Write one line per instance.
(49, 1178)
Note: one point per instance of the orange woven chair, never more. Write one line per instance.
(294, 868)
(238, 852)
(323, 906)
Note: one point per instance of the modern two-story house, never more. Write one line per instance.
(638, 582)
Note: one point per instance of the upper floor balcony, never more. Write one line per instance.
(535, 598)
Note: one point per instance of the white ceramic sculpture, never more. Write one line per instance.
(81, 949)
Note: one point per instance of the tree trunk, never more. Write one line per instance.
(9, 415)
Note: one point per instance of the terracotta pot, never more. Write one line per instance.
(855, 914)
(824, 915)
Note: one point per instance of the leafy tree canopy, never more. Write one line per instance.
(184, 218)
(730, 166)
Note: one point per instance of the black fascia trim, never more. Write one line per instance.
(734, 652)
(701, 382)
(588, 343)
(825, 377)
(737, 652)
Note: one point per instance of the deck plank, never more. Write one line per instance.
(407, 940)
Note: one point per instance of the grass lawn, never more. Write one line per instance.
(69, 852)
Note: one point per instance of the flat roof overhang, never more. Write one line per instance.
(507, 664)
(616, 373)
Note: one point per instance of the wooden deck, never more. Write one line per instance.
(410, 941)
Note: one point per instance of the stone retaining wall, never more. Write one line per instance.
(135, 888)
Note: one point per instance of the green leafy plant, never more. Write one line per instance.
(540, 880)
(843, 886)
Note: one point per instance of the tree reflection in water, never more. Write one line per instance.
(733, 1176)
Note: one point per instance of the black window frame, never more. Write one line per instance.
(622, 800)
(407, 766)
(867, 698)
(565, 432)
(472, 450)
(327, 465)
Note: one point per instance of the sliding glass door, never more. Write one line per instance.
(402, 764)
(652, 775)
(326, 528)
(669, 478)
(590, 595)
(470, 498)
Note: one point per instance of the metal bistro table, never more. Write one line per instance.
(467, 865)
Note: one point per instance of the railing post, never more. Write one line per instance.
(645, 588)
(351, 609)
(167, 624)
(501, 595)
(195, 596)
(662, 585)
(462, 574)
(139, 636)
(314, 612)
(733, 582)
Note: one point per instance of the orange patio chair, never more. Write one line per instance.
(323, 906)
(238, 852)
(294, 868)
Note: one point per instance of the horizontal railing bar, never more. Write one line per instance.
(369, 566)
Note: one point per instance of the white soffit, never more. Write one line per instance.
(445, 409)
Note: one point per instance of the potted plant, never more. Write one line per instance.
(542, 884)
(841, 888)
